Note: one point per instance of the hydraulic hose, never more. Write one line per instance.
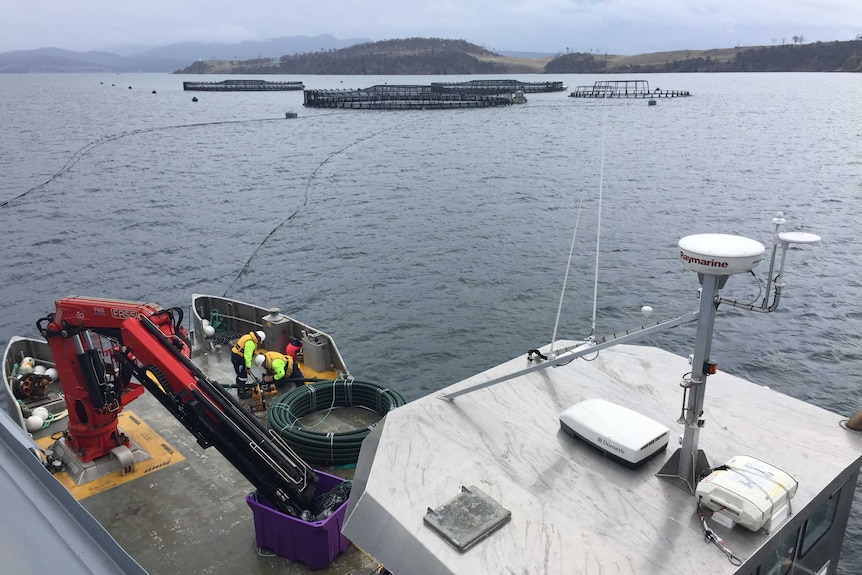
(336, 448)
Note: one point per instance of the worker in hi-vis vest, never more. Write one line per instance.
(243, 353)
(280, 368)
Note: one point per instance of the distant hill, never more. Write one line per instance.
(402, 56)
(160, 59)
(328, 55)
(816, 57)
(423, 56)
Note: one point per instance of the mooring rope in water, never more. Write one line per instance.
(83, 150)
(308, 183)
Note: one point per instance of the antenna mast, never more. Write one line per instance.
(715, 257)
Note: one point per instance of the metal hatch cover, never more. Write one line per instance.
(467, 518)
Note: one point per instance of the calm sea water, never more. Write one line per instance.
(432, 245)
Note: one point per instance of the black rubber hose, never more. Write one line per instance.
(330, 449)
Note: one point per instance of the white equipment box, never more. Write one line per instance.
(624, 435)
(750, 492)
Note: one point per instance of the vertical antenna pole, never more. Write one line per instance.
(689, 457)
(689, 461)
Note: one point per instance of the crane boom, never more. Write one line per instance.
(108, 352)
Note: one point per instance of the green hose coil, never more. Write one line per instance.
(329, 449)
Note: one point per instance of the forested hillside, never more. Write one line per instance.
(406, 56)
(422, 56)
(816, 57)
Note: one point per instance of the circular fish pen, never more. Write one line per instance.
(625, 89)
(388, 97)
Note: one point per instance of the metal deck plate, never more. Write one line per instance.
(162, 454)
(467, 518)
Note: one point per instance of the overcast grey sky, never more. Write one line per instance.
(606, 26)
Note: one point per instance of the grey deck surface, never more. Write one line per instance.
(575, 511)
(35, 508)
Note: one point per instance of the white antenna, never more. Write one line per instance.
(599, 227)
(572, 246)
(715, 257)
(566, 276)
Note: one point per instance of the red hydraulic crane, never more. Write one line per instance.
(107, 352)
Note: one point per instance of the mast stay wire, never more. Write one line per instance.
(599, 220)
(572, 245)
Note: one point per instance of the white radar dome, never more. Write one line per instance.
(719, 254)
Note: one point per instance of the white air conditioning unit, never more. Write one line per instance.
(749, 492)
(623, 435)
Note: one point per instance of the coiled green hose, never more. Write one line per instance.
(323, 395)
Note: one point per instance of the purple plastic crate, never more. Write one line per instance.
(315, 543)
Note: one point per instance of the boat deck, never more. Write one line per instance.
(186, 512)
(574, 510)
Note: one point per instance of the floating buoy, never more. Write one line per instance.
(209, 331)
(39, 370)
(41, 412)
(130, 87)
(154, 91)
(34, 422)
(652, 102)
(51, 373)
(194, 98)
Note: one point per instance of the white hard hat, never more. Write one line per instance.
(260, 335)
(259, 359)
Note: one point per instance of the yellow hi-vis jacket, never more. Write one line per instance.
(247, 346)
(278, 364)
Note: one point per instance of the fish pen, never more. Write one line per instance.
(501, 86)
(387, 97)
(242, 86)
(624, 89)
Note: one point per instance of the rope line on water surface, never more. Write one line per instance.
(83, 150)
(308, 183)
